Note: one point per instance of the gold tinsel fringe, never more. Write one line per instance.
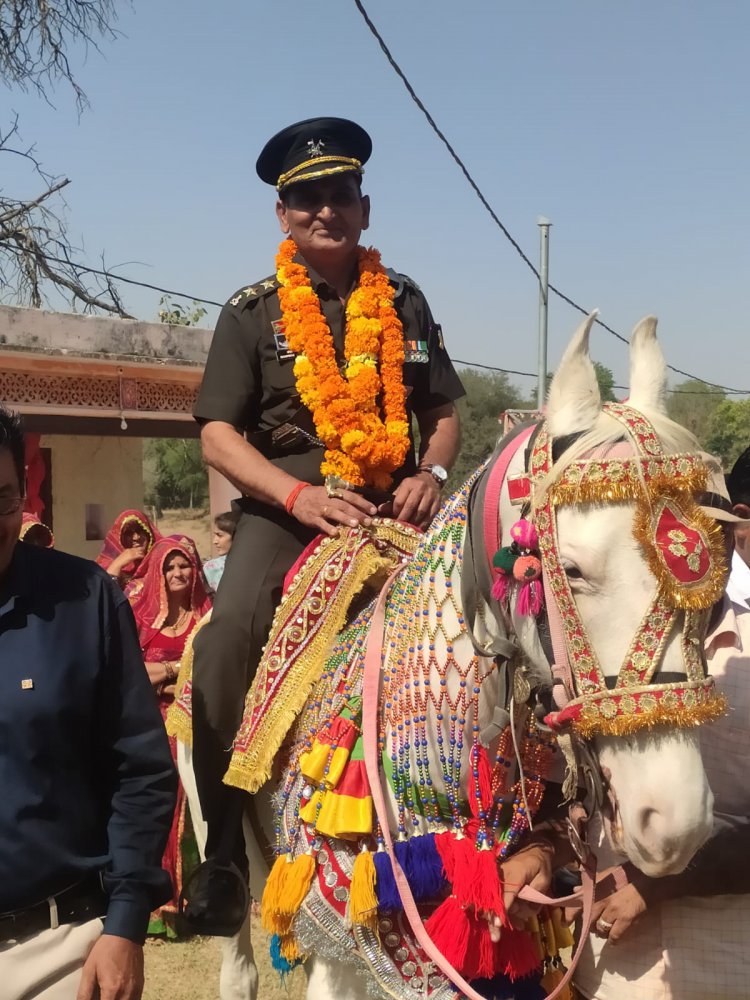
(179, 723)
(685, 596)
(594, 724)
(590, 489)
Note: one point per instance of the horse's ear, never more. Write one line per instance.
(574, 399)
(648, 369)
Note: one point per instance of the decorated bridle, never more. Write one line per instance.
(685, 550)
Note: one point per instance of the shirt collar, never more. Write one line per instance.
(738, 587)
(320, 283)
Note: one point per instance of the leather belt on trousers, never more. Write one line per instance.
(82, 901)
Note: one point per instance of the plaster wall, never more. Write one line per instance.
(92, 470)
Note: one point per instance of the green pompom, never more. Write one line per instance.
(504, 559)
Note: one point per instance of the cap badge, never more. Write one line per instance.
(316, 147)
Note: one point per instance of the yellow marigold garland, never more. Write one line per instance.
(363, 447)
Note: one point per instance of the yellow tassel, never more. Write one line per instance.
(297, 881)
(563, 935)
(288, 948)
(270, 907)
(363, 902)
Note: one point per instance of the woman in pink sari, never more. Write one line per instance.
(128, 542)
(168, 595)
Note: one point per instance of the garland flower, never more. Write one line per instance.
(360, 412)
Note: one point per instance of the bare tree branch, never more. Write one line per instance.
(36, 254)
(35, 36)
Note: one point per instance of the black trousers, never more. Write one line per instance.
(227, 652)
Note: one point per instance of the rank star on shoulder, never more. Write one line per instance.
(268, 284)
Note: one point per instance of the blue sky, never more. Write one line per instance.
(625, 124)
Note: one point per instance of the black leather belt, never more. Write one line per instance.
(82, 901)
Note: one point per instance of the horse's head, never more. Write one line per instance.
(631, 566)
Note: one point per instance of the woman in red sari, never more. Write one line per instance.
(128, 542)
(169, 597)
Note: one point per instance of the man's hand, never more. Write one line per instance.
(531, 866)
(113, 970)
(417, 500)
(314, 508)
(614, 916)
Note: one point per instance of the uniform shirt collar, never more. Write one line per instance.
(320, 284)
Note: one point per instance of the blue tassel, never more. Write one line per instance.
(385, 884)
(425, 868)
(282, 965)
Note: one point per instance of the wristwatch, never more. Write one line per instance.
(437, 472)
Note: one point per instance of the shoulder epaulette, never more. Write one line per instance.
(401, 281)
(246, 295)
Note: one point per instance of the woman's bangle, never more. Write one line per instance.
(171, 672)
(292, 498)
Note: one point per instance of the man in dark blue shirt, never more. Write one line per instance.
(87, 785)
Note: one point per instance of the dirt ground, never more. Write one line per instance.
(189, 970)
(196, 524)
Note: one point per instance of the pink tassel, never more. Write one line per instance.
(530, 598)
(500, 587)
(449, 929)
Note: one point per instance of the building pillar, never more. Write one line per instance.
(220, 493)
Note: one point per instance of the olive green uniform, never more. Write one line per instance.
(249, 383)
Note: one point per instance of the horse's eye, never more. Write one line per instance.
(573, 573)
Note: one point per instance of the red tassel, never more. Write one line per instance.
(480, 958)
(483, 778)
(444, 844)
(464, 869)
(450, 930)
(487, 895)
(515, 953)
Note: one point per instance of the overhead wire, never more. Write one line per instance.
(494, 216)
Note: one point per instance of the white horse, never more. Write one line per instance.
(440, 693)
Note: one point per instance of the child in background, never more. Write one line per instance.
(224, 528)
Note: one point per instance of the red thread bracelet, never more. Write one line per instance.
(291, 500)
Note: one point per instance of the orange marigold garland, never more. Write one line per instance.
(363, 445)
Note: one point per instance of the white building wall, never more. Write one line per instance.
(88, 469)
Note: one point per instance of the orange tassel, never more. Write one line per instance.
(297, 881)
(363, 900)
(270, 907)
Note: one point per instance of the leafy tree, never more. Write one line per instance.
(174, 471)
(606, 380)
(36, 254)
(488, 394)
(175, 474)
(177, 315)
(692, 405)
(729, 431)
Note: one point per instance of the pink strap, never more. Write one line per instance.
(370, 705)
(491, 512)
